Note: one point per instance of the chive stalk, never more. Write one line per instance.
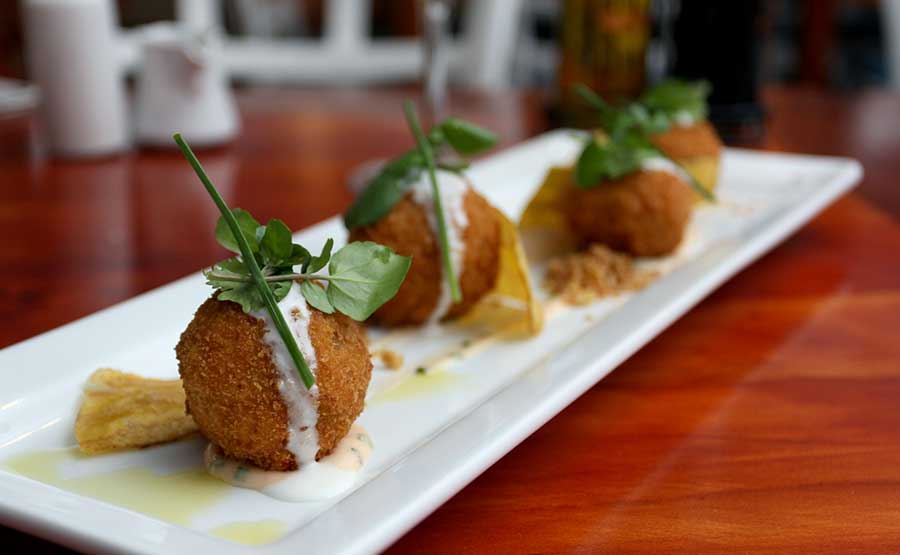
(425, 148)
(250, 262)
(591, 97)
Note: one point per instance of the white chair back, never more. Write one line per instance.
(346, 54)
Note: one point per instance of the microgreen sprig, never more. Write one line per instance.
(250, 263)
(672, 97)
(361, 277)
(389, 186)
(627, 143)
(425, 149)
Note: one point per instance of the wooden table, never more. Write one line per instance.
(766, 420)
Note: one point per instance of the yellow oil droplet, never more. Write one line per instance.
(260, 532)
(419, 385)
(174, 498)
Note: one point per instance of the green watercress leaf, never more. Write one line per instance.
(233, 265)
(248, 228)
(280, 288)
(316, 296)
(364, 276)
(646, 121)
(674, 96)
(316, 263)
(299, 255)
(386, 190)
(612, 159)
(389, 186)
(245, 294)
(455, 166)
(275, 244)
(617, 122)
(466, 138)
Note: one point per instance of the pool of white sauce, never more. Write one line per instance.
(302, 404)
(313, 481)
(453, 189)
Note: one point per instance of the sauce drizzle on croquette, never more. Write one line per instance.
(453, 189)
(301, 403)
(660, 164)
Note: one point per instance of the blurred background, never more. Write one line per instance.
(840, 44)
(618, 47)
(615, 46)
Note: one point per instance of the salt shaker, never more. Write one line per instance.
(73, 57)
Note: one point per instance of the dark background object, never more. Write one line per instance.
(719, 41)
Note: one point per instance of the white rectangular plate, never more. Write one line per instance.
(432, 436)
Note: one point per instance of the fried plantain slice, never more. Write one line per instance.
(126, 411)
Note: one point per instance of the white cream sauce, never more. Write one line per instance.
(684, 118)
(660, 164)
(453, 189)
(302, 404)
(313, 481)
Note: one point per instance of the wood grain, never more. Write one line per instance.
(766, 420)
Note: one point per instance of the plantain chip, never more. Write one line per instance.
(547, 207)
(125, 411)
(511, 305)
(705, 169)
(543, 226)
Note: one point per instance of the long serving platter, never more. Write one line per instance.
(433, 434)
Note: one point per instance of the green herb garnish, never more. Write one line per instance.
(250, 265)
(425, 149)
(421, 370)
(627, 144)
(673, 97)
(611, 159)
(401, 173)
(362, 276)
(616, 122)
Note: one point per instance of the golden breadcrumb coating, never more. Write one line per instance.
(231, 382)
(406, 230)
(644, 213)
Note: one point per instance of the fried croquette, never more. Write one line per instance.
(406, 230)
(231, 382)
(644, 213)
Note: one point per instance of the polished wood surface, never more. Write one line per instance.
(764, 421)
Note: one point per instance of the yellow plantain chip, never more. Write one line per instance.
(125, 411)
(543, 226)
(511, 305)
(705, 169)
(546, 209)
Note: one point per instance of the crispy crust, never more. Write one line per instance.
(231, 382)
(405, 229)
(699, 140)
(644, 213)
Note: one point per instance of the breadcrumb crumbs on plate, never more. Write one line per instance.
(596, 272)
(391, 359)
